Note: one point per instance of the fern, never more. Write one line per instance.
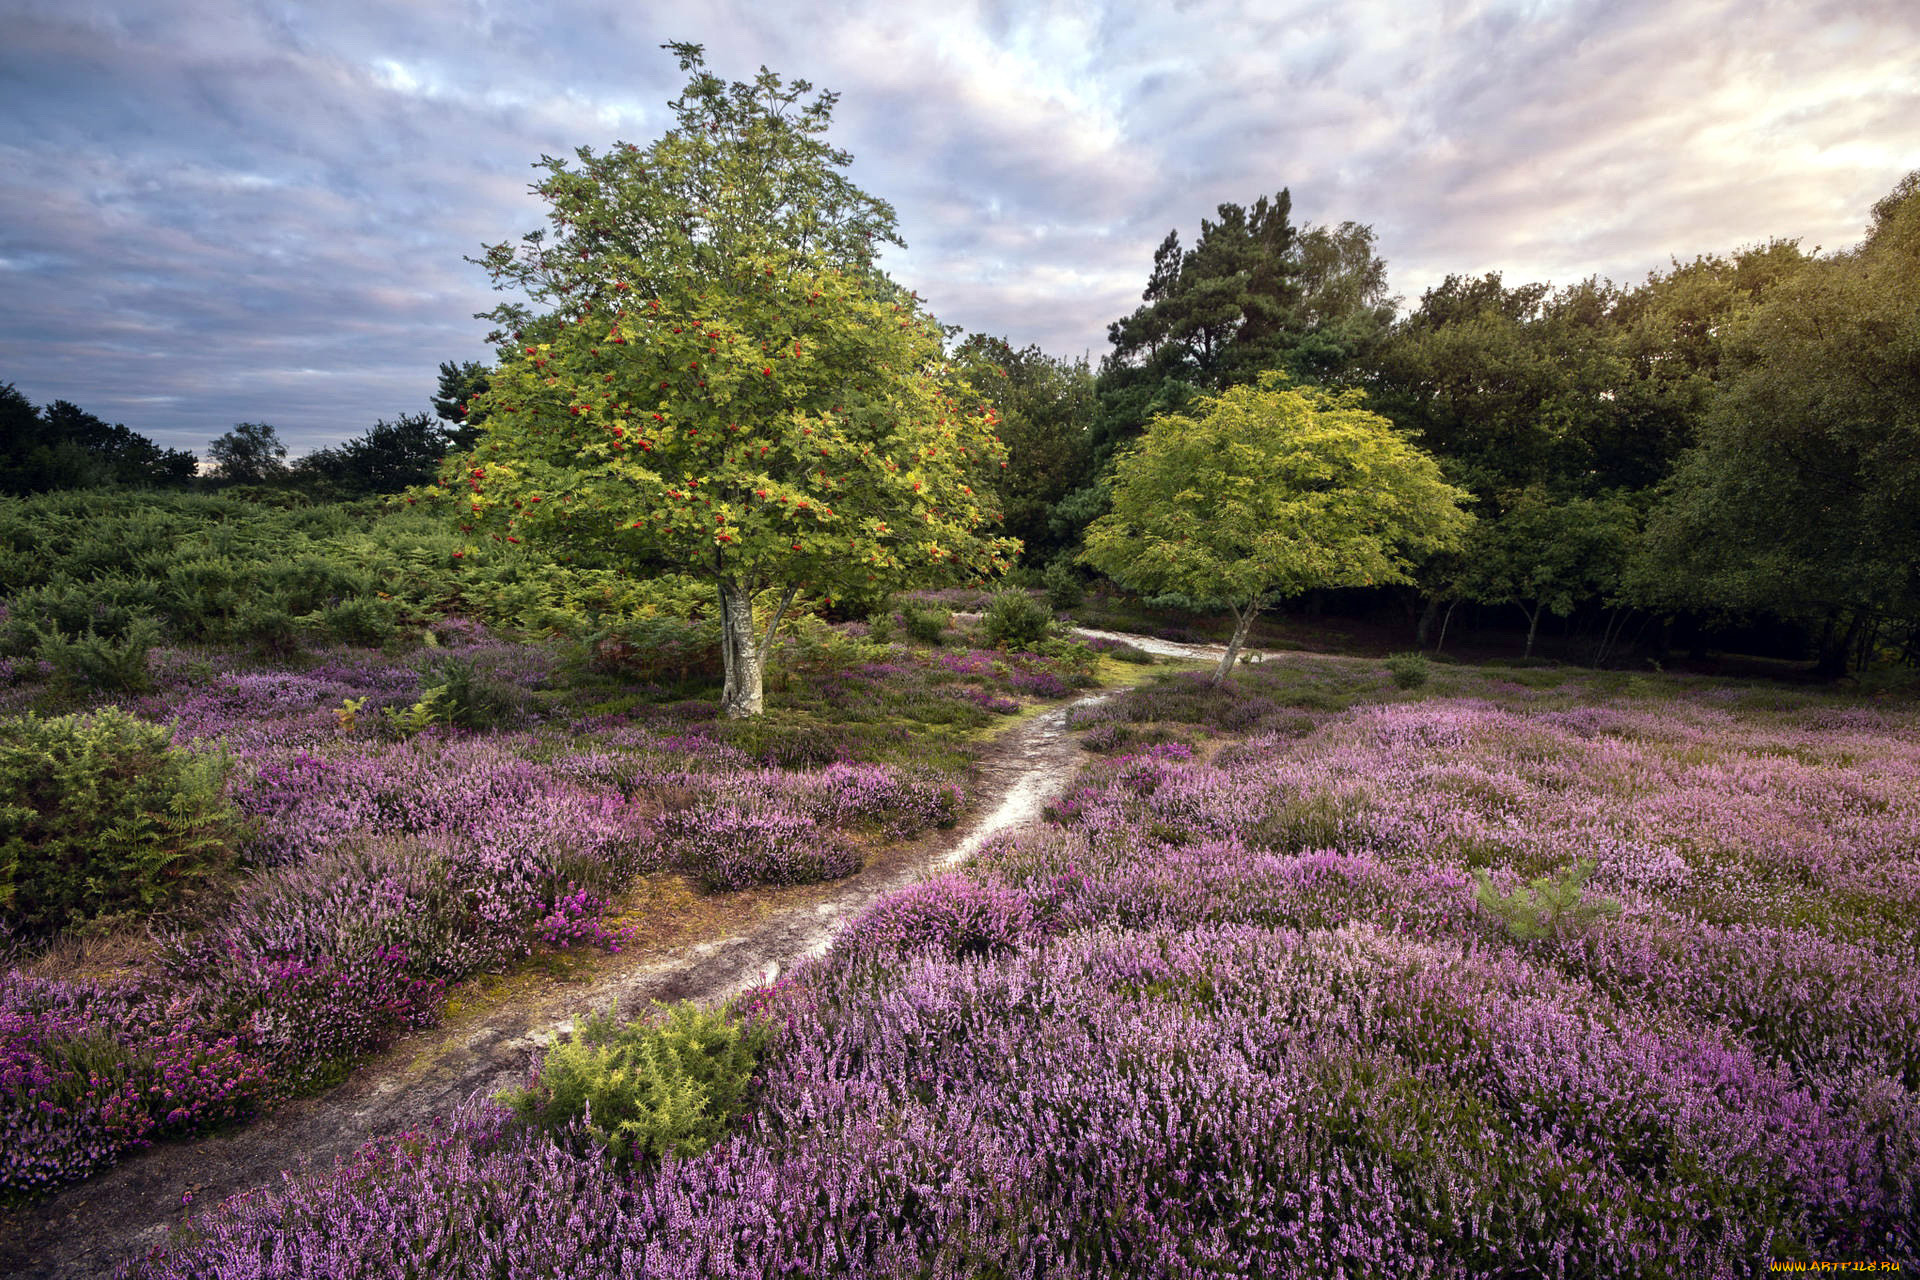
(405, 722)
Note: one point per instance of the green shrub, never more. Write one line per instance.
(407, 722)
(787, 741)
(1015, 620)
(926, 624)
(1064, 586)
(642, 1088)
(201, 595)
(67, 610)
(1123, 652)
(268, 626)
(1409, 670)
(1548, 905)
(1309, 820)
(117, 663)
(371, 622)
(101, 813)
(1072, 660)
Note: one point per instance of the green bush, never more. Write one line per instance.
(1015, 620)
(201, 595)
(787, 740)
(115, 662)
(1409, 670)
(100, 814)
(360, 620)
(402, 721)
(1064, 586)
(63, 606)
(1546, 906)
(658, 650)
(468, 699)
(268, 626)
(642, 1088)
(928, 625)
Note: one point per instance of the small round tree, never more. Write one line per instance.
(1272, 490)
(727, 385)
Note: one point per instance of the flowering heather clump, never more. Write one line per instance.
(1227, 1100)
(987, 701)
(952, 915)
(87, 1072)
(901, 803)
(726, 846)
(386, 876)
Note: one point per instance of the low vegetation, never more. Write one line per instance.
(327, 842)
(1308, 974)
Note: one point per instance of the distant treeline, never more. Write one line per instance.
(62, 446)
(1730, 447)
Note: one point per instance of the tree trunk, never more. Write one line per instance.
(1242, 621)
(1428, 616)
(1445, 622)
(1533, 626)
(1835, 650)
(742, 654)
(1610, 635)
(742, 694)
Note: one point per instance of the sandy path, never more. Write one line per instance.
(87, 1230)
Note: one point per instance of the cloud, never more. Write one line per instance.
(214, 211)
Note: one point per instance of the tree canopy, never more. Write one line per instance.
(251, 453)
(387, 458)
(725, 384)
(1046, 408)
(459, 387)
(1270, 491)
(1802, 496)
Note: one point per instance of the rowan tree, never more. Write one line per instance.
(726, 384)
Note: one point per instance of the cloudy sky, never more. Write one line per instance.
(223, 210)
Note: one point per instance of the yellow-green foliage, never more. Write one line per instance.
(1271, 491)
(1546, 905)
(101, 813)
(642, 1088)
(725, 382)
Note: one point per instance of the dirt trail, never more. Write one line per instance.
(87, 1230)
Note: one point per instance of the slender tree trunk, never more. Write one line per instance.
(1428, 616)
(742, 694)
(1445, 622)
(1533, 626)
(1610, 635)
(1242, 620)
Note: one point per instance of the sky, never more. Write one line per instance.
(215, 211)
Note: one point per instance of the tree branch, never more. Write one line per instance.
(773, 626)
